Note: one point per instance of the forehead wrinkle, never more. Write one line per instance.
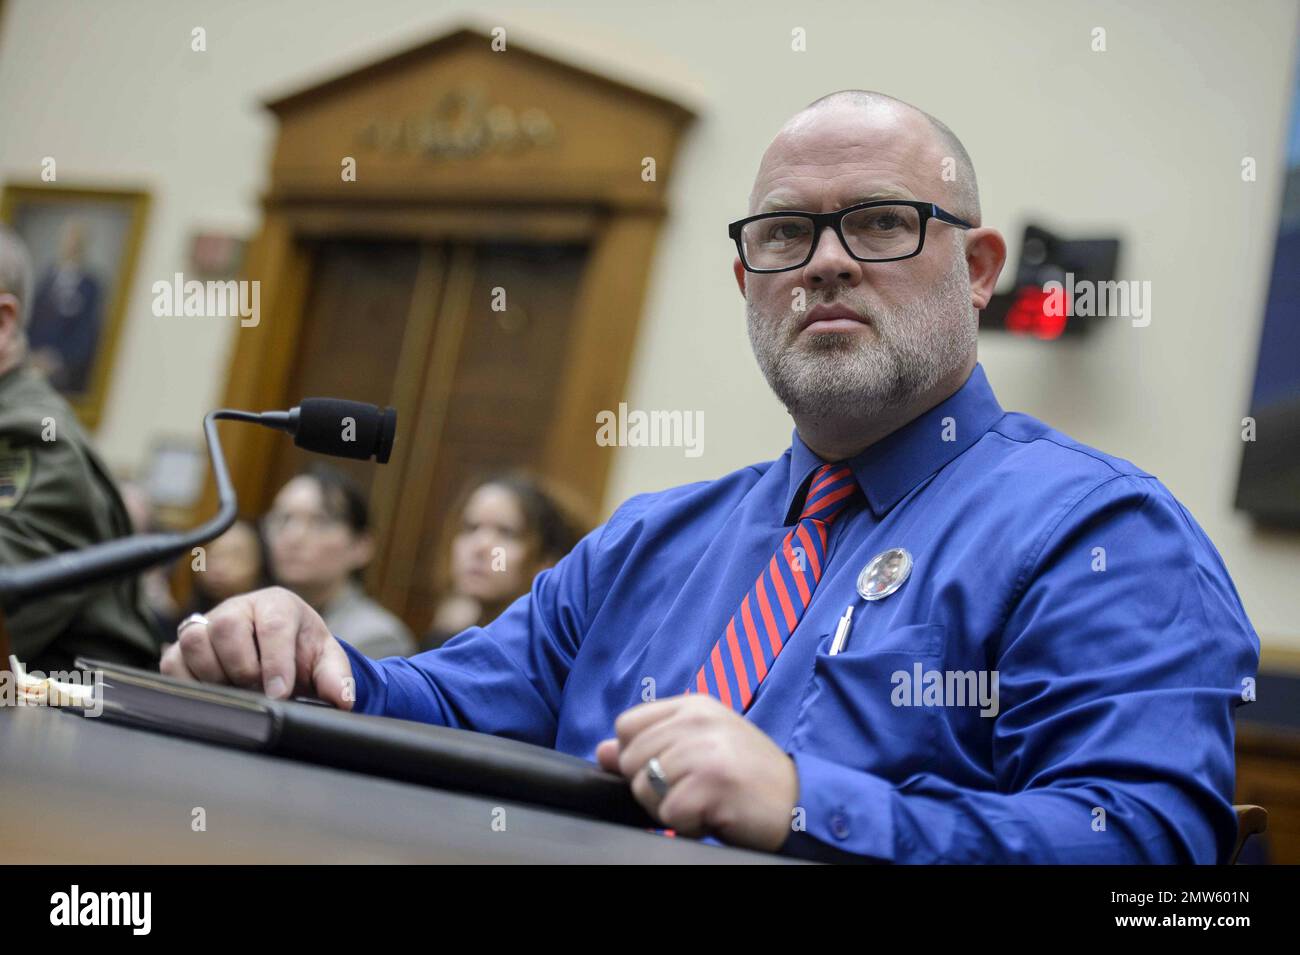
(845, 189)
(786, 203)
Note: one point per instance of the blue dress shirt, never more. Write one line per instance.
(1119, 643)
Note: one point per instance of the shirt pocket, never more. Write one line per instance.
(920, 639)
(849, 714)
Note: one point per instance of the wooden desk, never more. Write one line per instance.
(77, 790)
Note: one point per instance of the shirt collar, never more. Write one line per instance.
(898, 462)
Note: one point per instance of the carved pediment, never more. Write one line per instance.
(468, 116)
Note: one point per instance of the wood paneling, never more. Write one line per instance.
(350, 340)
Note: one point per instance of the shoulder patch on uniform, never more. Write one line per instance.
(15, 474)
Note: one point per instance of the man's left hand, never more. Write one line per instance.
(725, 777)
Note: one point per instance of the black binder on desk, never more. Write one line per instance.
(380, 746)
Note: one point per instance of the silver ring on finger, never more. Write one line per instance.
(190, 621)
(654, 770)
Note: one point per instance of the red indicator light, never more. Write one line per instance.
(1038, 313)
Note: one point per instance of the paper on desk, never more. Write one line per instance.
(46, 691)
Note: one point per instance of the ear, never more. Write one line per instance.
(739, 269)
(986, 253)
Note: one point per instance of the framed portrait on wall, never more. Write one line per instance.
(83, 244)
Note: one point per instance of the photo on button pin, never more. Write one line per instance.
(884, 573)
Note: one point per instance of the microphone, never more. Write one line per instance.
(350, 429)
(345, 429)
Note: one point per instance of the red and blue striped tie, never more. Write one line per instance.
(756, 633)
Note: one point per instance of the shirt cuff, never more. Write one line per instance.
(371, 690)
(846, 816)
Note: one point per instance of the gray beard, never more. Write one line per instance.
(913, 349)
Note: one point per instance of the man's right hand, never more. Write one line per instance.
(268, 640)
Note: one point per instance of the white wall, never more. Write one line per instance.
(1144, 140)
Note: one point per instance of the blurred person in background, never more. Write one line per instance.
(57, 496)
(155, 583)
(235, 563)
(318, 537)
(506, 529)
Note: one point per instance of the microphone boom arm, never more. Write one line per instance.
(126, 555)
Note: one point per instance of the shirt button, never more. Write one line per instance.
(840, 825)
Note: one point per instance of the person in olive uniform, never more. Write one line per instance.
(56, 495)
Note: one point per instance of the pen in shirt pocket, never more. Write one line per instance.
(842, 631)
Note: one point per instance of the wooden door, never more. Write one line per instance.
(352, 335)
(470, 341)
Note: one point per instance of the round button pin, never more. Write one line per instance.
(884, 574)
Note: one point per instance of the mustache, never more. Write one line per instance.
(842, 301)
(785, 325)
(789, 323)
(812, 301)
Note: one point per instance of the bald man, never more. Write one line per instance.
(930, 631)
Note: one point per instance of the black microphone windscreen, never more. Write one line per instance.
(347, 429)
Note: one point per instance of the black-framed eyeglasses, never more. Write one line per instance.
(883, 230)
